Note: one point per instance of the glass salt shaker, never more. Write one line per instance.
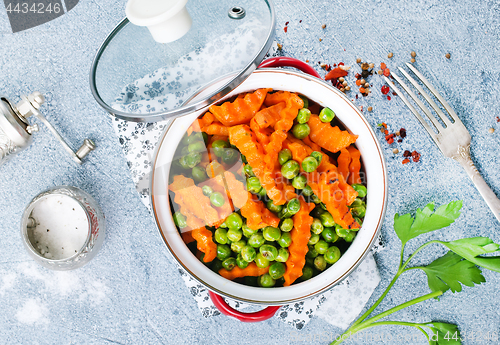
(63, 228)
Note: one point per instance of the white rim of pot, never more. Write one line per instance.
(373, 160)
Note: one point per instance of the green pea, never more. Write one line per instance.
(271, 233)
(316, 226)
(253, 185)
(320, 263)
(262, 193)
(323, 206)
(184, 151)
(359, 211)
(247, 169)
(360, 189)
(293, 206)
(326, 115)
(221, 236)
(309, 261)
(329, 235)
(238, 246)
(350, 237)
(307, 273)
(299, 182)
(321, 247)
(315, 199)
(217, 199)
(332, 255)
(304, 115)
(230, 156)
(287, 225)
(341, 232)
(198, 146)
(256, 240)
(223, 225)
(234, 221)
(261, 261)
(269, 252)
(248, 253)
(240, 262)
(305, 100)
(266, 281)
(180, 220)
(223, 252)
(357, 202)
(313, 239)
(234, 235)
(247, 231)
(194, 137)
(285, 240)
(309, 164)
(207, 190)
(284, 156)
(199, 174)
(229, 263)
(272, 207)
(192, 159)
(218, 147)
(290, 169)
(277, 270)
(216, 265)
(283, 255)
(317, 155)
(326, 219)
(280, 282)
(301, 130)
(244, 159)
(312, 252)
(307, 191)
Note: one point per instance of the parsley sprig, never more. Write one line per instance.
(459, 266)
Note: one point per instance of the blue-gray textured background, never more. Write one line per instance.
(130, 293)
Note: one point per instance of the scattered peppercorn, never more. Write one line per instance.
(406, 153)
(390, 55)
(347, 88)
(358, 60)
(383, 66)
(491, 130)
(413, 54)
(380, 72)
(370, 109)
(387, 72)
(320, 39)
(365, 66)
(448, 56)
(412, 60)
(402, 133)
(385, 89)
(395, 151)
(280, 46)
(323, 26)
(416, 156)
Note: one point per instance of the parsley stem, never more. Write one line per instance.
(415, 253)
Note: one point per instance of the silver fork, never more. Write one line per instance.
(453, 139)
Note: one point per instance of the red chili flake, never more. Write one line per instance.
(286, 24)
(387, 72)
(406, 160)
(286, 29)
(406, 153)
(356, 96)
(357, 76)
(400, 140)
(390, 141)
(388, 98)
(384, 125)
(395, 94)
(334, 65)
(362, 90)
(385, 89)
(498, 119)
(336, 73)
(341, 64)
(361, 108)
(386, 132)
(402, 133)
(383, 66)
(416, 156)
(300, 21)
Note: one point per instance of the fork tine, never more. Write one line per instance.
(412, 109)
(421, 105)
(435, 93)
(434, 106)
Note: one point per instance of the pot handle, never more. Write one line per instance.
(284, 61)
(225, 309)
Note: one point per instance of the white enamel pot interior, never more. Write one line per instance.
(376, 176)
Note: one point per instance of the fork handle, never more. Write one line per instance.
(463, 157)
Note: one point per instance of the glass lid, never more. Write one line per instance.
(136, 78)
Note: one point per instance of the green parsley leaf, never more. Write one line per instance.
(426, 220)
(447, 272)
(444, 334)
(470, 248)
